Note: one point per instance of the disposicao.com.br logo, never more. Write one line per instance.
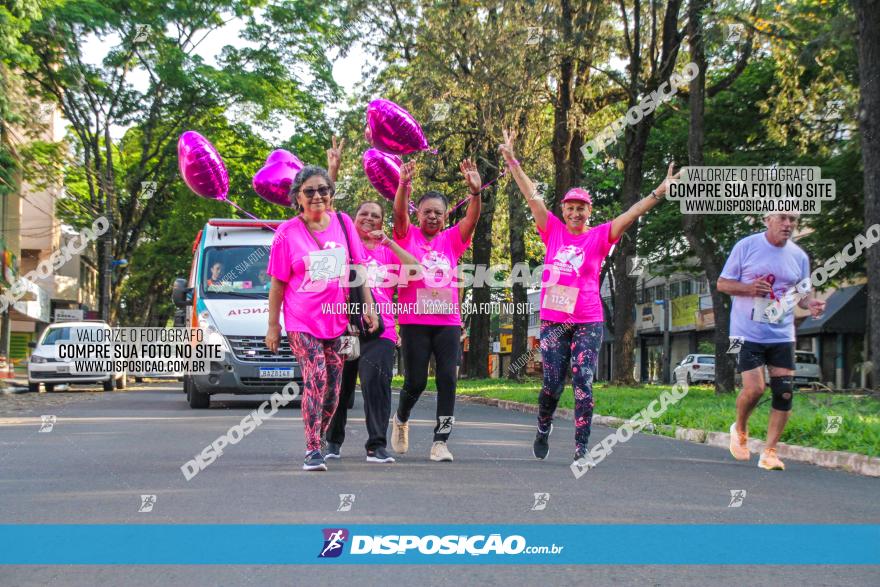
(334, 540)
(402, 544)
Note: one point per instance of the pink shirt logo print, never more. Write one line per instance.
(322, 267)
(437, 265)
(433, 300)
(569, 259)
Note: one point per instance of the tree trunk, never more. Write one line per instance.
(477, 365)
(567, 162)
(868, 17)
(518, 222)
(693, 225)
(625, 287)
(636, 141)
(567, 141)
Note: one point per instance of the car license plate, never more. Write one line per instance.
(64, 369)
(276, 373)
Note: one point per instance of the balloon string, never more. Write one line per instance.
(484, 186)
(234, 205)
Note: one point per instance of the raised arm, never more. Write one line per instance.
(620, 224)
(468, 224)
(401, 199)
(526, 186)
(334, 158)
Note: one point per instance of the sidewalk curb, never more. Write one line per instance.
(829, 459)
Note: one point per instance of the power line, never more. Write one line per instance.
(19, 229)
(52, 215)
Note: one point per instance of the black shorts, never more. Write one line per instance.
(755, 354)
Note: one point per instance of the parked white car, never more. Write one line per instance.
(45, 367)
(806, 368)
(695, 369)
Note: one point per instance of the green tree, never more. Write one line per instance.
(259, 82)
(16, 17)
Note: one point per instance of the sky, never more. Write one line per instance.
(346, 71)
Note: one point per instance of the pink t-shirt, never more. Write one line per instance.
(315, 293)
(432, 301)
(380, 263)
(578, 260)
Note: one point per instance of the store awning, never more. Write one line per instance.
(845, 313)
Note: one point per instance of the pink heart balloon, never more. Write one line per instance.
(383, 171)
(282, 156)
(201, 166)
(393, 129)
(273, 181)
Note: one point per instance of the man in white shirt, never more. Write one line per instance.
(761, 269)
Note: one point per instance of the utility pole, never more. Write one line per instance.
(106, 273)
(667, 312)
(107, 262)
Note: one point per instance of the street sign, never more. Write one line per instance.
(62, 315)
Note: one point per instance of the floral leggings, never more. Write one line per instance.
(321, 366)
(564, 345)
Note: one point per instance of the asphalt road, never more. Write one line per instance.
(105, 450)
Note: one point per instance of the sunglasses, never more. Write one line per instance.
(322, 191)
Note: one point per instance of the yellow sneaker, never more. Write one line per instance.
(770, 461)
(739, 444)
(399, 435)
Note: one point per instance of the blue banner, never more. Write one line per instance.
(701, 544)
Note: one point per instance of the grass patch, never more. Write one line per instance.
(859, 428)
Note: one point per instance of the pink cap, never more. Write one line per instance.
(578, 194)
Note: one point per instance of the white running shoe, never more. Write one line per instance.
(440, 452)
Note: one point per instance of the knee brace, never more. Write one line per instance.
(782, 390)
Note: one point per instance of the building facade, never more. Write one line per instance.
(32, 232)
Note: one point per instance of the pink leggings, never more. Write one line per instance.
(321, 367)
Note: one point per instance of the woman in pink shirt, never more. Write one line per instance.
(308, 261)
(571, 307)
(382, 260)
(430, 317)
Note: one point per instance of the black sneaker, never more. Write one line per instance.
(314, 462)
(331, 450)
(378, 455)
(541, 448)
